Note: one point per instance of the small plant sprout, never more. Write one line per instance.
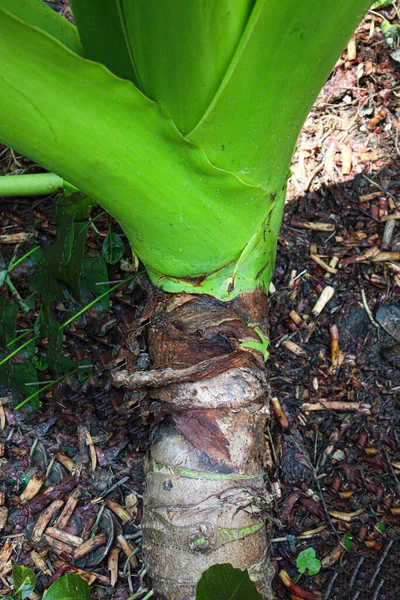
(308, 562)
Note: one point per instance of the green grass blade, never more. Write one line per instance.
(40, 15)
(101, 27)
(283, 60)
(118, 148)
(182, 49)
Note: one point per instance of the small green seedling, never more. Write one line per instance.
(347, 541)
(69, 586)
(24, 582)
(307, 561)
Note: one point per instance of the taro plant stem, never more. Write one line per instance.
(180, 119)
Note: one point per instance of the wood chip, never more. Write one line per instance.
(89, 576)
(334, 333)
(372, 196)
(395, 216)
(59, 547)
(127, 550)
(323, 264)
(379, 117)
(295, 589)
(68, 510)
(386, 256)
(387, 235)
(113, 565)
(346, 495)
(92, 450)
(33, 487)
(2, 417)
(296, 318)
(40, 563)
(15, 238)
(323, 300)
(356, 258)
(63, 536)
(3, 516)
(347, 159)
(311, 225)
(90, 545)
(7, 568)
(333, 263)
(45, 519)
(280, 415)
(333, 556)
(293, 348)
(336, 405)
(342, 516)
(5, 553)
(352, 49)
(67, 462)
(119, 510)
(311, 532)
(131, 503)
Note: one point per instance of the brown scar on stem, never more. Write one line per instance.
(261, 271)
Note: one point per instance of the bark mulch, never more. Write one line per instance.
(72, 476)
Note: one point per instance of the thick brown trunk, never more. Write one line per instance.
(205, 499)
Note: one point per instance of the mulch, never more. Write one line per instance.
(72, 476)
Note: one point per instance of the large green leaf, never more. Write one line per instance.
(182, 216)
(190, 210)
(182, 50)
(223, 582)
(102, 30)
(68, 587)
(282, 61)
(40, 15)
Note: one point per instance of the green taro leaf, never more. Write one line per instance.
(24, 581)
(193, 207)
(68, 587)
(284, 57)
(113, 248)
(122, 151)
(307, 561)
(160, 34)
(102, 30)
(223, 582)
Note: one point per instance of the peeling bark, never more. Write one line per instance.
(205, 499)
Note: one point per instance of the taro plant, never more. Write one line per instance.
(180, 119)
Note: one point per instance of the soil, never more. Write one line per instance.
(333, 469)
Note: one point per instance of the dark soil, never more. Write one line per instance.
(334, 472)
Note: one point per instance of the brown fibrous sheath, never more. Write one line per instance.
(206, 499)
